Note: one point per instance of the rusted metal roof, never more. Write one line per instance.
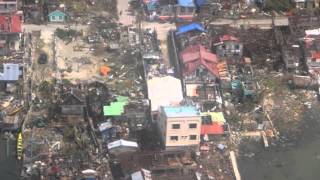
(10, 24)
(196, 55)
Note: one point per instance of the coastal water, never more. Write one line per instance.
(293, 159)
(8, 163)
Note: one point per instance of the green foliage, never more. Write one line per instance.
(66, 34)
(66, 82)
(278, 5)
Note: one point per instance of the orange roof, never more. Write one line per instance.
(104, 70)
(212, 129)
(315, 55)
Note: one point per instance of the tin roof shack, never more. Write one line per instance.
(200, 73)
(57, 16)
(10, 72)
(229, 48)
(179, 126)
(73, 102)
(122, 146)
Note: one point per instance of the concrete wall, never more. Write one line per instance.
(183, 133)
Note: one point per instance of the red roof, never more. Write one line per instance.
(228, 37)
(196, 55)
(10, 24)
(315, 55)
(212, 129)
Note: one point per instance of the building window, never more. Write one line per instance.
(53, 18)
(193, 137)
(175, 126)
(184, 137)
(60, 17)
(193, 126)
(174, 138)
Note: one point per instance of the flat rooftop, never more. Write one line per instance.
(181, 111)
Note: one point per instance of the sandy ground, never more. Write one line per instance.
(51, 27)
(124, 18)
(68, 58)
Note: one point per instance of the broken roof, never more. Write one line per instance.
(196, 55)
(73, 93)
(190, 27)
(181, 111)
(164, 91)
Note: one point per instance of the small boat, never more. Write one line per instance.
(19, 146)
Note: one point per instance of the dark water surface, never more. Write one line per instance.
(8, 163)
(297, 159)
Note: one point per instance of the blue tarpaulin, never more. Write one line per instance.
(186, 3)
(199, 3)
(190, 27)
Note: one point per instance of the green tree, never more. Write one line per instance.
(278, 5)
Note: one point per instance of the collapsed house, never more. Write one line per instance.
(73, 102)
(10, 27)
(229, 48)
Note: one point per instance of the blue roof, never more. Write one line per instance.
(186, 3)
(190, 27)
(57, 13)
(200, 2)
(181, 111)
